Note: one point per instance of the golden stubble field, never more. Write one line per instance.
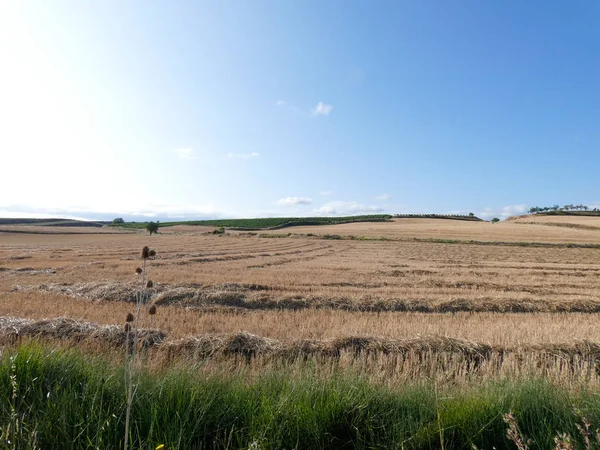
(514, 296)
(307, 287)
(548, 229)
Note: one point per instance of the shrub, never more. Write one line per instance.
(152, 227)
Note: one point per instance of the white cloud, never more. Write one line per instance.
(184, 153)
(280, 103)
(593, 205)
(11, 214)
(503, 212)
(289, 201)
(383, 197)
(242, 155)
(347, 208)
(322, 109)
(326, 193)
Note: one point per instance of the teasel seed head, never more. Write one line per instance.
(149, 284)
(152, 253)
(145, 252)
(152, 310)
(129, 318)
(138, 270)
(127, 327)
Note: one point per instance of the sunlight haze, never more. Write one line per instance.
(266, 108)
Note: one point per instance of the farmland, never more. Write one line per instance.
(440, 230)
(269, 222)
(583, 221)
(306, 287)
(464, 305)
(50, 222)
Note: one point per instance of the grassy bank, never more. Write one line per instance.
(58, 399)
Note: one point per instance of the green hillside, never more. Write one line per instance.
(271, 223)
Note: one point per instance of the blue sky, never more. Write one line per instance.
(297, 108)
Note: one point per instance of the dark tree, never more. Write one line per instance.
(152, 227)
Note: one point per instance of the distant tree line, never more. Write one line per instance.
(538, 209)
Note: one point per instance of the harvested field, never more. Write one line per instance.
(510, 231)
(567, 221)
(387, 360)
(194, 229)
(177, 322)
(310, 292)
(292, 273)
(49, 229)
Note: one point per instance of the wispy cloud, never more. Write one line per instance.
(322, 109)
(502, 212)
(185, 153)
(346, 208)
(290, 201)
(243, 155)
(593, 205)
(326, 193)
(141, 212)
(383, 197)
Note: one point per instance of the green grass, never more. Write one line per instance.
(64, 400)
(271, 223)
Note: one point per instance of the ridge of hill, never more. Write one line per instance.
(471, 218)
(276, 223)
(269, 223)
(51, 222)
(568, 213)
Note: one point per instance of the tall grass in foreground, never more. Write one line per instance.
(63, 399)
